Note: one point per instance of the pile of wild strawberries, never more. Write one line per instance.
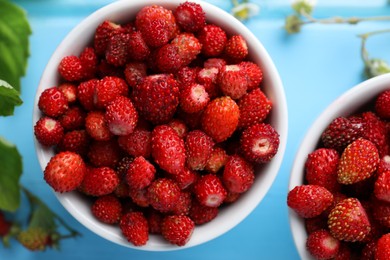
(161, 121)
(345, 198)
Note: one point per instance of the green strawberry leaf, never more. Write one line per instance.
(9, 98)
(10, 172)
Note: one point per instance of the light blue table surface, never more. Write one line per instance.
(316, 66)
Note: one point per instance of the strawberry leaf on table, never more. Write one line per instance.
(9, 98)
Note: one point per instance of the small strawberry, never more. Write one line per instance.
(168, 59)
(192, 121)
(213, 39)
(100, 181)
(73, 118)
(117, 49)
(139, 197)
(220, 118)
(69, 90)
(137, 48)
(201, 214)
(177, 229)
(168, 149)
(123, 165)
(65, 171)
(134, 227)
(179, 126)
(34, 238)
(198, 146)
(383, 248)
(140, 174)
(384, 164)
(5, 225)
(348, 221)
(217, 160)
(76, 141)
(163, 194)
(358, 162)
(322, 245)
(183, 204)
(188, 47)
(107, 89)
(107, 70)
(381, 212)
(52, 102)
(103, 33)
(208, 78)
(185, 178)
(259, 143)
(232, 197)
(86, 92)
(71, 69)
(134, 73)
(253, 74)
(375, 131)
(97, 127)
(238, 174)
(209, 190)
(121, 116)
(382, 186)
(89, 61)
(217, 63)
(236, 48)
(321, 168)
(316, 223)
(190, 16)
(232, 82)
(48, 131)
(104, 153)
(369, 250)
(309, 201)
(194, 98)
(138, 143)
(254, 108)
(107, 209)
(382, 107)
(187, 75)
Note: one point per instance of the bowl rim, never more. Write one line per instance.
(97, 17)
(342, 105)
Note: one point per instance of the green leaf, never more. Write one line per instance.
(43, 217)
(9, 98)
(10, 172)
(14, 43)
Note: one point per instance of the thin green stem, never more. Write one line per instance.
(341, 20)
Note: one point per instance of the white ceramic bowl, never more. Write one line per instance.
(345, 105)
(229, 217)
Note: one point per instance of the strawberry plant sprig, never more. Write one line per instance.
(40, 229)
(243, 10)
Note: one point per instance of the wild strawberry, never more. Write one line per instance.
(213, 39)
(183, 204)
(217, 63)
(97, 127)
(100, 181)
(369, 250)
(381, 211)
(52, 102)
(123, 165)
(201, 214)
(316, 223)
(107, 209)
(109, 88)
(382, 186)
(198, 147)
(48, 131)
(382, 107)
(86, 92)
(65, 171)
(154, 218)
(104, 153)
(238, 175)
(107, 70)
(73, 118)
(187, 75)
(185, 178)
(337, 197)
(384, 164)
(69, 90)
(139, 197)
(89, 61)
(5, 225)
(157, 25)
(194, 98)
(190, 16)
(168, 149)
(102, 36)
(217, 160)
(188, 47)
(163, 194)
(192, 121)
(309, 201)
(253, 74)
(134, 73)
(138, 50)
(140, 173)
(220, 118)
(71, 69)
(321, 168)
(138, 143)
(375, 131)
(76, 141)
(383, 247)
(209, 190)
(121, 116)
(232, 81)
(134, 227)
(348, 221)
(179, 126)
(340, 133)
(322, 245)
(177, 229)
(33, 238)
(259, 143)
(236, 48)
(358, 162)
(208, 78)
(117, 49)
(254, 108)
(168, 59)
(156, 98)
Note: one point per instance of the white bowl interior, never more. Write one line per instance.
(230, 216)
(345, 105)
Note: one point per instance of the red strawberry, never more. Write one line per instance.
(65, 171)
(52, 102)
(232, 81)
(157, 25)
(121, 116)
(117, 49)
(154, 218)
(185, 178)
(86, 92)
(217, 160)
(382, 186)
(375, 131)
(202, 214)
(187, 75)
(168, 59)
(208, 78)
(309, 201)
(107, 209)
(322, 245)
(177, 229)
(183, 204)
(381, 212)
(76, 141)
(194, 98)
(134, 227)
(321, 168)
(348, 221)
(89, 61)
(220, 118)
(168, 149)
(123, 165)
(163, 194)
(192, 121)
(100, 181)
(316, 223)
(97, 127)
(217, 63)
(107, 89)
(238, 175)
(209, 190)
(358, 162)
(236, 48)
(104, 153)
(384, 164)
(179, 126)
(253, 74)
(383, 248)
(103, 33)
(134, 73)
(259, 143)
(73, 118)
(140, 174)
(5, 225)
(190, 16)
(69, 90)
(213, 39)
(139, 197)
(382, 107)
(71, 68)
(138, 143)
(188, 47)
(198, 146)
(107, 70)
(48, 131)
(369, 250)
(33, 238)
(156, 98)
(254, 108)
(137, 48)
